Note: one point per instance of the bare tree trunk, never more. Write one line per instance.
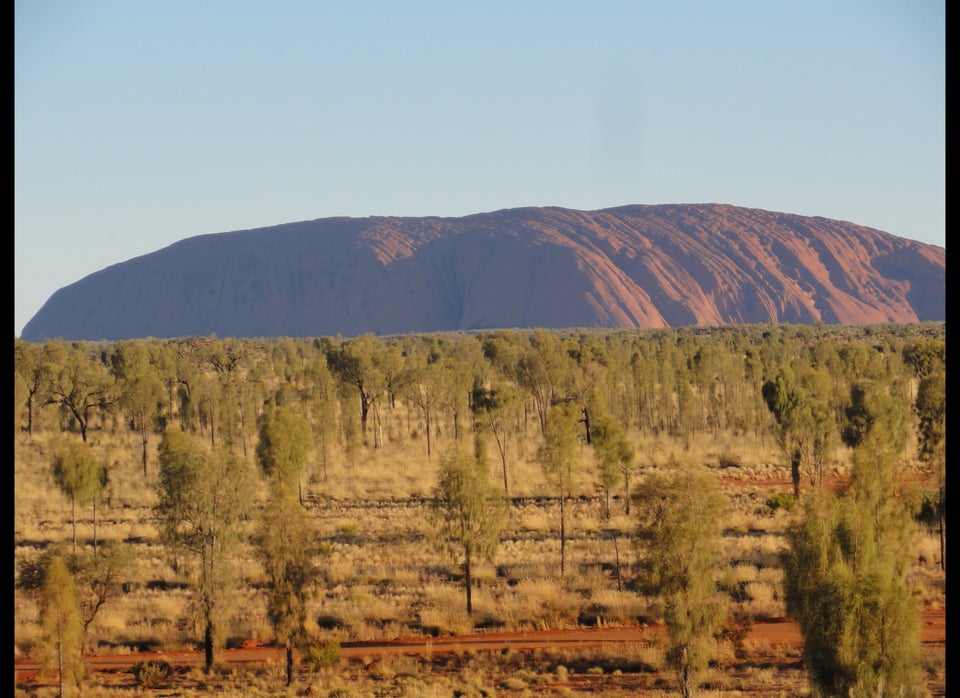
(59, 654)
(208, 645)
(73, 519)
(563, 534)
(616, 551)
(943, 561)
(686, 679)
(469, 583)
(243, 429)
(289, 664)
(795, 474)
(143, 440)
(94, 525)
(426, 420)
(364, 413)
(323, 450)
(503, 461)
(208, 632)
(626, 491)
(378, 436)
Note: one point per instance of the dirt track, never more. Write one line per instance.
(775, 633)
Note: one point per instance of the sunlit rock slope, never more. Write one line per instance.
(632, 266)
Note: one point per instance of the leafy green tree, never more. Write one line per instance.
(753, 399)
(96, 577)
(205, 495)
(62, 630)
(670, 397)
(557, 456)
(207, 396)
(21, 395)
(847, 562)
(460, 364)
(680, 533)
(222, 397)
(80, 476)
(643, 382)
(141, 397)
(186, 374)
(594, 379)
(857, 619)
(470, 512)
(367, 365)
(321, 392)
(931, 409)
(286, 541)
(805, 425)
(163, 364)
(496, 409)
(81, 384)
(543, 371)
(129, 358)
(614, 455)
(287, 546)
(103, 475)
(502, 350)
(422, 384)
(706, 375)
(33, 365)
(925, 356)
(285, 440)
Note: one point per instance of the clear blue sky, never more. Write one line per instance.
(138, 124)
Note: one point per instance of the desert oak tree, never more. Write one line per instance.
(470, 511)
(847, 561)
(680, 536)
(205, 494)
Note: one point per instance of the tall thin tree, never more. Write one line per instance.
(62, 628)
(470, 511)
(557, 455)
(680, 536)
(80, 476)
(847, 562)
(205, 495)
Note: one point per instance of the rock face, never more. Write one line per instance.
(631, 266)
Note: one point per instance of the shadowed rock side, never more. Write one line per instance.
(632, 266)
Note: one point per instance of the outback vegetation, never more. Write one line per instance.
(312, 495)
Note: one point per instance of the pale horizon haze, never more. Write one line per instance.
(138, 124)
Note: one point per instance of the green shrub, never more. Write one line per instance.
(349, 530)
(782, 500)
(928, 510)
(729, 460)
(152, 673)
(323, 656)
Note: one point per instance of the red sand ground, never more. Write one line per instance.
(779, 632)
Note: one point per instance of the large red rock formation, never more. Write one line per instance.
(632, 266)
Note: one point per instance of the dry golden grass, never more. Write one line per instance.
(382, 578)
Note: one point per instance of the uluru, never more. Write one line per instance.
(637, 266)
